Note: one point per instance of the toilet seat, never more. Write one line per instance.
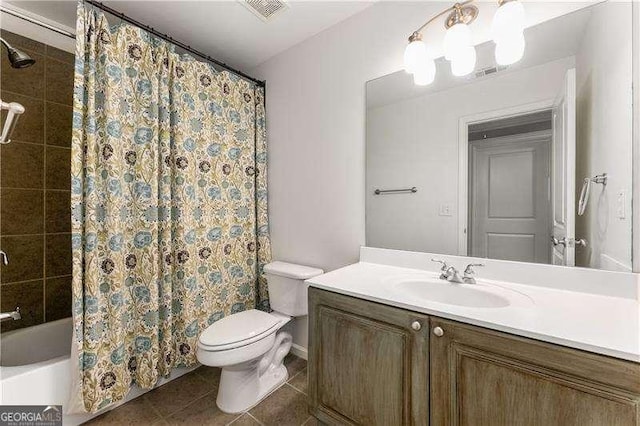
(237, 330)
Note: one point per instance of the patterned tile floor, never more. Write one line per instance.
(191, 400)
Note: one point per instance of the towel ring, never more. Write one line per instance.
(586, 190)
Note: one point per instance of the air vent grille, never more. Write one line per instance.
(265, 9)
(490, 70)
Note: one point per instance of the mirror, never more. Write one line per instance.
(530, 162)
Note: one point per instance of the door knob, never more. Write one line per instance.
(559, 242)
(416, 325)
(438, 331)
(581, 242)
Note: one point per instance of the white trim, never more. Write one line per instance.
(463, 160)
(36, 32)
(635, 187)
(299, 351)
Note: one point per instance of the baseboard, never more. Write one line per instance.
(299, 351)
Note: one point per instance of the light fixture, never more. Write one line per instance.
(510, 50)
(508, 20)
(507, 30)
(464, 63)
(425, 73)
(418, 61)
(414, 53)
(456, 40)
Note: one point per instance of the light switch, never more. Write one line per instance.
(621, 204)
(446, 210)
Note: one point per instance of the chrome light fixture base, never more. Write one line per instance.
(462, 14)
(416, 36)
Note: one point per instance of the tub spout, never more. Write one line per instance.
(15, 315)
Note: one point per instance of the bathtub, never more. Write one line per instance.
(35, 368)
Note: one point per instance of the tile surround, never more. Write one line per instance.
(190, 400)
(30, 127)
(35, 222)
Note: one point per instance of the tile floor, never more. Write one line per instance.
(191, 400)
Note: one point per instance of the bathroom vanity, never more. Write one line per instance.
(513, 167)
(383, 354)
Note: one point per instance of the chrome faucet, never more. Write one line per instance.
(5, 258)
(15, 315)
(469, 273)
(448, 273)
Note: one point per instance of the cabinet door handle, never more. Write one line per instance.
(416, 325)
(438, 331)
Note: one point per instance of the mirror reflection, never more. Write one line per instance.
(528, 162)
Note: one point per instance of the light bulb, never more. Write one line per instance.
(508, 21)
(510, 50)
(425, 74)
(465, 62)
(456, 39)
(415, 52)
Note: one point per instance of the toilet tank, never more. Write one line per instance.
(287, 289)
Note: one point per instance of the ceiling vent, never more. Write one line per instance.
(265, 9)
(489, 71)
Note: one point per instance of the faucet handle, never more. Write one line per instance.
(444, 267)
(469, 269)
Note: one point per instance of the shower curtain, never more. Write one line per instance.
(169, 206)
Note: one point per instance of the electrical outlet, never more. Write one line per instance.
(446, 210)
(621, 204)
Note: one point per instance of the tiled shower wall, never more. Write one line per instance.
(35, 222)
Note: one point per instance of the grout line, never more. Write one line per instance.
(307, 421)
(295, 389)
(299, 390)
(37, 279)
(190, 403)
(44, 187)
(236, 419)
(295, 375)
(43, 98)
(43, 144)
(254, 418)
(148, 403)
(36, 234)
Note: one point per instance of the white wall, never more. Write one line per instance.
(316, 126)
(414, 142)
(35, 32)
(604, 135)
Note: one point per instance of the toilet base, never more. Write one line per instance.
(243, 386)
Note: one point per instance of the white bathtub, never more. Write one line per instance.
(35, 368)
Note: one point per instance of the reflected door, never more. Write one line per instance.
(510, 200)
(564, 173)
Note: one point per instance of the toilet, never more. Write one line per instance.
(249, 346)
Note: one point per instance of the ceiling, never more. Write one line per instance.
(226, 30)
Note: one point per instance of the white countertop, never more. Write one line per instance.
(597, 323)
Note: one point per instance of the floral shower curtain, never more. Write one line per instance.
(169, 206)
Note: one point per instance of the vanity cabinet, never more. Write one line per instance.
(369, 363)
(369, 366)
(483, 377)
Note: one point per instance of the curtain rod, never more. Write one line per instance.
(166, 37)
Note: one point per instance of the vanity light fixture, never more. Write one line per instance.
(507, 31)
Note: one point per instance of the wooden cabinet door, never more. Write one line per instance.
(482, 377)
(367, 364)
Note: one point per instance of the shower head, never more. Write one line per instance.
(18, 58)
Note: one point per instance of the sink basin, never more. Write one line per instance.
(467, 295)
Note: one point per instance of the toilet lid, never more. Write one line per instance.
(240, 328)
